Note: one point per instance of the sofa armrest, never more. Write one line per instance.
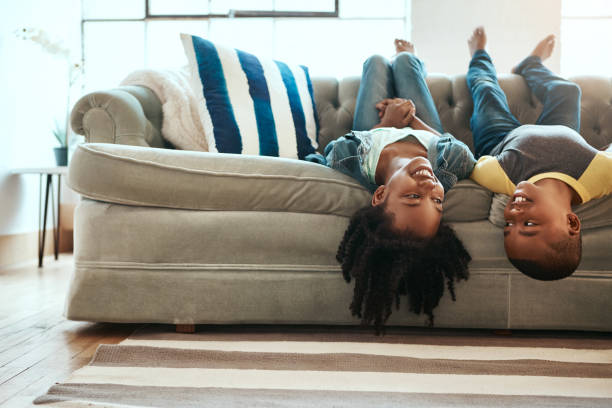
(129, 115)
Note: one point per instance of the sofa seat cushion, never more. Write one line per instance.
(467, 201)
(134, 175)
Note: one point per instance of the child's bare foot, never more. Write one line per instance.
(477, 41)
(403, 46)
(543, 50)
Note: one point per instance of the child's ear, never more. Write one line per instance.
(573, 224)
(379, 196)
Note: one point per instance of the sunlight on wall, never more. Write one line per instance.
(586, 37)
(328, 46)
(34, 86)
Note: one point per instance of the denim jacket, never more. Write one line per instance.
(450, 158)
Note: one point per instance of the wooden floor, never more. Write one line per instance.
(38, 346)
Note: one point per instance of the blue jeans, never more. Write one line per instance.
(492, 119)
(403, 77)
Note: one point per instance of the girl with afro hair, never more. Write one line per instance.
(399, 151)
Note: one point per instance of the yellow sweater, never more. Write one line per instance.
(536, 152)
(595, 182)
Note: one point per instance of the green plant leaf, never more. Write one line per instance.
(59, 132)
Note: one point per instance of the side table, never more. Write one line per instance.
(49, 172)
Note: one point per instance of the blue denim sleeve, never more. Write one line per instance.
(453, 161)
(343, 155)
(316, 158)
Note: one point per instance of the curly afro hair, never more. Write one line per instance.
(386, 264)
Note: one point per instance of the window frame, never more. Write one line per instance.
(145, 17)
(246, 14)
(231, 14)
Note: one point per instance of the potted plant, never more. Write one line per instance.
(61, 153)
(73, 71)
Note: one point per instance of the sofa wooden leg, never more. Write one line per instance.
(185, 328)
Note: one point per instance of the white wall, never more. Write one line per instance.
(440, 29)
(33, 85)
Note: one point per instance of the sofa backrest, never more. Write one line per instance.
(336, 99)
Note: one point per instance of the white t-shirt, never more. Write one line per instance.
(381, 137)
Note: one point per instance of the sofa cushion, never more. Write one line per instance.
(211, 181)
(466, 201)
(251, 105)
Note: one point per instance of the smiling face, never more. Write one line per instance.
(535, 221)
(413, 196)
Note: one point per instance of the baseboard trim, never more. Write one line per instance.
(20, 248)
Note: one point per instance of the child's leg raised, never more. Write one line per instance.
(376, 85)
(561, 98)
(491, 120)
(409, 75)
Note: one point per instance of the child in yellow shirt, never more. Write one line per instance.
(545, 168)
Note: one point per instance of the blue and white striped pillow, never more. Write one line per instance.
(252, 105)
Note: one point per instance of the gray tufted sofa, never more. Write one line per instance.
(183, 237)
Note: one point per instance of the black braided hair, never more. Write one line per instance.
(386, 264)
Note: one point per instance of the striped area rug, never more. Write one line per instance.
(341, 367)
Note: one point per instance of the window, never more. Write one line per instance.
(331, 37)
(242, 8)
(586, 35)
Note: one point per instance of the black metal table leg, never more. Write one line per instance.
(41, 249)
(57, 230)
(40, 177)
(53, 214)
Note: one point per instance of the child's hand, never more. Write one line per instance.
(396, 112)
(382, 105)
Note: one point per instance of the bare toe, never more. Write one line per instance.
(478, 40)
(403, 46)
(544, 48)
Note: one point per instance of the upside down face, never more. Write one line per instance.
(413, 196)
(535, 220)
